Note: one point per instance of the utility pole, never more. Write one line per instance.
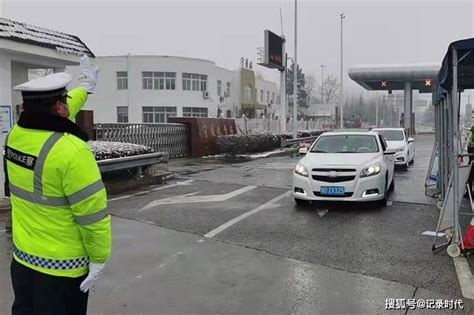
(322, 82)
(295, 78)
(342, 74)
(283, 89)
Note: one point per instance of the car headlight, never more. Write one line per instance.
(401, 149)
(371, 170)
(301, 170)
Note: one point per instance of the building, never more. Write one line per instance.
(23, 48)
(267, 93)
(149, 89)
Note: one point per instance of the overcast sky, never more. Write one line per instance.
(379, 31)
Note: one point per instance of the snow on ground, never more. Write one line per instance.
(108, 150)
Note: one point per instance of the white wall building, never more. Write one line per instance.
(149, 89)
(267, 93)
(136, 89)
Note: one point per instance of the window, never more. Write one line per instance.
(122, 80)
(261, 96)
(158, 114)
(229, 113)
(248, 92)
(147, 80)
(346, 144)
(122, 114)
(273, 97)
(159, 80)
(194, 112)
(219, 87)
(227, 89)
(194, 82)
(268, 96)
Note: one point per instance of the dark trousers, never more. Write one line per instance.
(40, 294)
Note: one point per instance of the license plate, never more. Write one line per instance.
(332, 191)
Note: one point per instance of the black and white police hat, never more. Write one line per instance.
(49, 87)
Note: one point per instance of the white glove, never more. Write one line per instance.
(89, 74)
(95, 270)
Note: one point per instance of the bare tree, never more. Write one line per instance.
(310, 89)
(331, 89)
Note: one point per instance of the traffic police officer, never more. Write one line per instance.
(61, 229)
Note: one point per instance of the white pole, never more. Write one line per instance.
(295, 80)
(342, 75)
(322, 82)
(283, 90)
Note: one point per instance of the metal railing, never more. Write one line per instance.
(287, 142)
(131, 162)
(171, 138)
(273, 125)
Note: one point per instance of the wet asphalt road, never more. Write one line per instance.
(324, 259)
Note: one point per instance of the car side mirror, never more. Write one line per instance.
(410, 140)
(303, 151)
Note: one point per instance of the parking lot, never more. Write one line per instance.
(230, 240)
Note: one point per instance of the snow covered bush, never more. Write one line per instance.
(108, 150)
(232, 145)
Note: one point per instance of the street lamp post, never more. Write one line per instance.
(342, 74)
(322, 82)
(295, 79)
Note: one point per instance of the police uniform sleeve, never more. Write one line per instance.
(87, 198)
(77, 97)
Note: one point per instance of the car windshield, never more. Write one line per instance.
(392, 135)
(346, 144)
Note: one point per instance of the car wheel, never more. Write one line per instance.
(405, 166)
(301, 202)
(392, 185)
(412, 161)
(383, 202)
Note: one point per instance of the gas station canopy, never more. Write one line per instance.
(393, 77)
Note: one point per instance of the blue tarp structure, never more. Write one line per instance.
(465, 48)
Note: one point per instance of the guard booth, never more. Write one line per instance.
(24, 48)
(398, 77)
(449, 167)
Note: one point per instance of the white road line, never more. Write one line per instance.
(3, 230)
(186, 182)
(191, 198)
(245, 215)
(466, 281)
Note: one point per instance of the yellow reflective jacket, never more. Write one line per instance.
(60, 221)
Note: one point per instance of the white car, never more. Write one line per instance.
(398, 142)
(345, 166)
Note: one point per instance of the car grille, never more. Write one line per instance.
(338, 179)
(343, 175)
(318, 194)
(340, 170)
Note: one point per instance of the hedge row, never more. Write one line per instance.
(254, 143)
(108, 150)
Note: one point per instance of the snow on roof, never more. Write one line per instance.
(38, 36)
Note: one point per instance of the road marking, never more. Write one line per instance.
(245, 215)
(279, 166)
(183, 183)
(162, 265)
(466, 281)
(191, 198)
(433, 233)
(4, 230)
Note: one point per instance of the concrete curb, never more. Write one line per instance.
(263, 155)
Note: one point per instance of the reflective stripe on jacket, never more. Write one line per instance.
(60, 220)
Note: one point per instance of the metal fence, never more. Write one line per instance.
(171, 138)
(273, 125)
